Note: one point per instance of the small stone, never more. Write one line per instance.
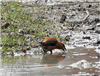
(28, 48)
(97, 30)
(87, 37)
(98, 24)
(97, 20)
(63, 18)
(5, 25)
(63, 25)
(89, 6)
(97, 43)
(67, 38)
(91, 28)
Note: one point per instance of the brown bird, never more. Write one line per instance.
(50, 43)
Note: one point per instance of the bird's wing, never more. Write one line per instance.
(50, 43)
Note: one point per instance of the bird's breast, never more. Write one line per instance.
(51, 48)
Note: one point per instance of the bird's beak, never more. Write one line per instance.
(64, 49)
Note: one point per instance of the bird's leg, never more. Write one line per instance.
(64, 52)
(51, 51)
(44, 51)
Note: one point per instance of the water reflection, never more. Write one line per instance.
(52, 59)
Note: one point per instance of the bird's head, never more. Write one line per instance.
(61, 46)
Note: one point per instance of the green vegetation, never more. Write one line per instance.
(23, 20)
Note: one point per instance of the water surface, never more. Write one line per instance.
(78, 61)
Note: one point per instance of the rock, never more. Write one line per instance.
(67, 38)
(20, 31)
(97, 20)
(63, 18)
(84, 32)
(91, 27)
(90, 6)
(87, 37)
(5, 25)
(28, 48)
(97, 30)
(63, 25)
(97, 43)
(98, 25)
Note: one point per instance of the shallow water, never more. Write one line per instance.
(79, 61)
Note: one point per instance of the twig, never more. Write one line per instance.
(86, 16)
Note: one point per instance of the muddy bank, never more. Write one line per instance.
(81, 24)
(77, 25)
